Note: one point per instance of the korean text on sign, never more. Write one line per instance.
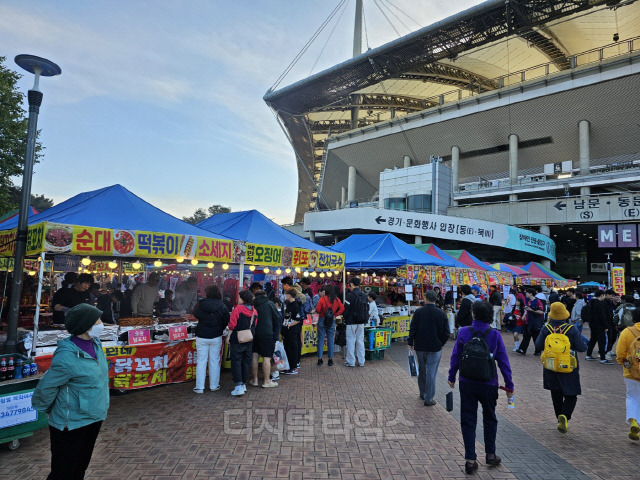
(149, 244)
(212, 250)
(93, 241)
(263, 254)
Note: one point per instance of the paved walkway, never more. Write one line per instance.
(349, 423)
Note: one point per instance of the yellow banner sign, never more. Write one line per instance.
(35, 239)
(267, 255)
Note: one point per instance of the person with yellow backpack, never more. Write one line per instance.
(628, 355)
(558, 341)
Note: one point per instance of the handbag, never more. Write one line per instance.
(412, 364)
(246, 336)
(449, 401)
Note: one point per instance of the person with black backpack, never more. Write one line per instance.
(475, 353)
(356, 314)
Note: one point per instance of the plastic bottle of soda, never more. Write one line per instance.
(18, 371)
(10, 369)
(3, 370)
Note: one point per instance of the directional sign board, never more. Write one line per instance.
(580, 209)
(432, 226)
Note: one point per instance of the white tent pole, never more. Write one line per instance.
(240, 279)
(36, 317)
(344, 284)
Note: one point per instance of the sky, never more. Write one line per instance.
(165, 97)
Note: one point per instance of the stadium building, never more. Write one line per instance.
(511, 129)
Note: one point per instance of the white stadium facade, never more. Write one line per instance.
(517, 117)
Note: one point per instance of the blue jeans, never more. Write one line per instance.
(330, 334)
(428, 363)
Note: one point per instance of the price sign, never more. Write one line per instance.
(137, 337)
(178, 332)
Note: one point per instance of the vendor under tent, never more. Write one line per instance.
(113, 222)
(435, 251)
(470, 261)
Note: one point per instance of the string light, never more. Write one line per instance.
(306, 274)
(265, 269)
(86, 261)
(252, 268)
(329, 274)
(321, 274)
(287, 270)
(210, 265)
(157, 263)
(136, 265)
(297, 269)
(180, 259)
(194, 262)
(225, 266)
(314, 274)
(113, 264)
(278, 271)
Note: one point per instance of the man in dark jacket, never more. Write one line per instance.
(264, 341)
(600, 320)
(428, 333)
(463, 318)
(535, 321)
(355, 325)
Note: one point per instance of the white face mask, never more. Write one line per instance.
(96, 330)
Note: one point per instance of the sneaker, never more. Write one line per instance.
(521, 352)
(198, 390)
(236, 392)
(298, 365)
(606, 362)
(470, 467)
(361, 364)
(608, 356)
(275, 376)
(320, 362)
(588, 357)
(347, 364)
(634, 431)
(244, 387)
(330, 362)
(269, 385)
(493, 459)
(562, 424)
(291, 372)
(215, 389)
(428, 403)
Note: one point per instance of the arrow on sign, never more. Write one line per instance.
(380, 220)
(560, 205)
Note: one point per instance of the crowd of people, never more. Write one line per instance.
(555, 326)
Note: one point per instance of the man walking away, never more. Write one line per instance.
(600, 318)
(428, 333)
(535, 320)
(356, 305)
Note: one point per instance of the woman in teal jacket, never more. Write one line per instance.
(75, 394)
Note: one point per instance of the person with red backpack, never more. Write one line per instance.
(563, 380)
(329, 307)
(628, 355)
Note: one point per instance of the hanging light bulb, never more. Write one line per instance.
(210, 265)
(32, 273)
(278, 271)
(180, 259)
(265, 269)
(321, 274)
(194, 262)
(86, 261)
(297, 269)
(329, 274)
(252, 268)
(337, 272)
(225, 266)
(374, 274)
(79, 269)
(306, 274)
(314, 274)
(287, 270)
(157, 263)
(136, 265)
(112, 264)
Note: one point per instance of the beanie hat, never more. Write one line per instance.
(81, 318)
(558, 311)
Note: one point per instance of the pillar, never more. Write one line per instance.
(312, 236)
(513, 164)
(344, 196)
(585, 157)
(546, 230)
(407, 161)
(338, 205)
(455, 176)
(351, 185)
(355, 110)
(418, 240)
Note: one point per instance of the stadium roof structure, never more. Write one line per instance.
(474, 51)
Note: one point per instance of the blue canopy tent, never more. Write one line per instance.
(114, 207)
(252, 226)
(384, 251)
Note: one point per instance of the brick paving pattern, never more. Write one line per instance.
(351, 424)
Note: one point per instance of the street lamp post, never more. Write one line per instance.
(39, 67)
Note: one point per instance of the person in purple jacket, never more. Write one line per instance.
(473, 392)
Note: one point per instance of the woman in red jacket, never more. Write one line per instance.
(326, 322)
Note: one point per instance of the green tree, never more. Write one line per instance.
(39, 202)
(13, 133)
(201, 214)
